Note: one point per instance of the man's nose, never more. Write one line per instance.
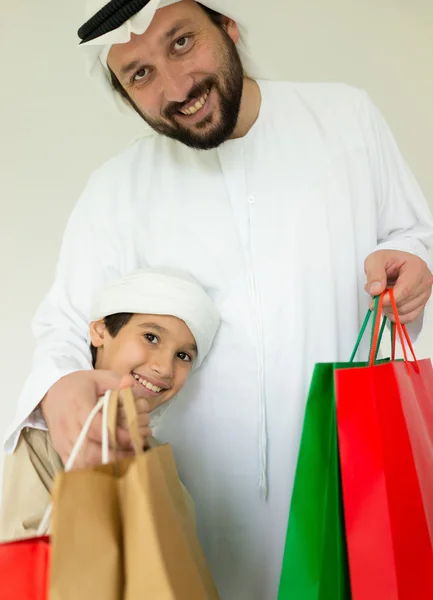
(175, 83)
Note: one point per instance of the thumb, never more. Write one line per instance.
(110, 380)
(375, 270)
(126, 381)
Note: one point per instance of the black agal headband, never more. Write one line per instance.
(111, 16)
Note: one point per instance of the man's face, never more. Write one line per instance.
(157, 350)
(183, 75)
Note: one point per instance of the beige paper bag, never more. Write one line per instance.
(124, 531)
(86, 556)
(163, 557)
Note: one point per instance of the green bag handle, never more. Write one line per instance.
(376, 315)
(377, 334)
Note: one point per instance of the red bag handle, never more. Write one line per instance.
(401, 329)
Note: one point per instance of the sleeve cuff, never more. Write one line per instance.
(407, 244)
(28, 412)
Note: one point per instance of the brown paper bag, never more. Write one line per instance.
(86, 534)
(86, 557)
(123, 531)
(163, 557)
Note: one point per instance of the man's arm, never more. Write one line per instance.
(92, 255)
(405, 226)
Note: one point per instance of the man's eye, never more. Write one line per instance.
(151, 338)
(141, 74)
(184, 356)
(181, 43)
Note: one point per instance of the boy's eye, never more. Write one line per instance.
(184, 356)
(151, 338)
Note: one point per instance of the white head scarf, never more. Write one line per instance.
(162, 292)
(96, 50)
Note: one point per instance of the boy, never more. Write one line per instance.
(154, 327)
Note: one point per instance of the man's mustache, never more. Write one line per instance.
(197, 91)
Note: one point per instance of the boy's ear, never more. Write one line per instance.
(97, 333)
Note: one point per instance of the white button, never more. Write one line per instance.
(251, 199)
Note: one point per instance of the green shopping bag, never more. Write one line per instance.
(315, 563)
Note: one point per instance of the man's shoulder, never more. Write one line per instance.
(124, 162)
(335, 108)
(316, 93)
(112, 185)
(327, 102)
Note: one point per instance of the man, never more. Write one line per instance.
(272, 195)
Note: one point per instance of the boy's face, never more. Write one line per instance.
(157, 350)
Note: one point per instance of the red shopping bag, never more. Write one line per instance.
(24, 568)
(385, 427)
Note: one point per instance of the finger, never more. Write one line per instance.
(120, 454)
(411, 317)
(64, 452)
(418, 303)
(143, 421)
(71, 441)
(405, 295)
(410, 312)
(89, 455)
(126, 381)
(145, 432)
(408, 285)
(143, 416)
(95, 429)
(129, 381)
(106, 380)
(141, 406)
(375, 270)
(123, 439)
(389, 313)
(121, 420)
(385, 305)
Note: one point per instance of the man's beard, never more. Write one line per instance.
(227, 86)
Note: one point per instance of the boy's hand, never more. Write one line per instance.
(69, 402)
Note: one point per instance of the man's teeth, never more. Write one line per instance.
(146, 384)
(197, 106)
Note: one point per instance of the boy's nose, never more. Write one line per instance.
(163, 368)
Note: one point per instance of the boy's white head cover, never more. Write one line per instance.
(101, 15)
(162, 292)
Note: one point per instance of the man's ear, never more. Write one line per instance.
(231, 28)
(98, 331)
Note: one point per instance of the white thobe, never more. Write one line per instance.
(276, 226)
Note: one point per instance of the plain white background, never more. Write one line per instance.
(55, 127)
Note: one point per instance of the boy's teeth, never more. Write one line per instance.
(197, 106)
(147, 384)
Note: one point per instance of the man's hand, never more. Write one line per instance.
(69, 402)
(407, 274)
